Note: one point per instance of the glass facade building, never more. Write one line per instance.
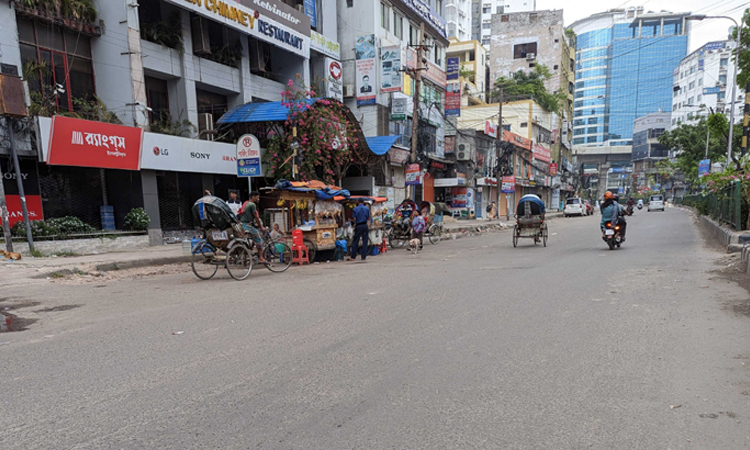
(624, 70)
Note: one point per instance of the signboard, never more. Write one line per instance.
(553, 170)
(366, 74)
(704, 167)
(398, 108)
(470, 198)
(277, 10)
(453, 99)
(516, 140)
(713, 46)
(179, 154)
(334, 85)
(322, 44)
(413, 173)
(555, 202)
(429, 15)
(15, 210)
(490, 129)
(459, 197)
(390, 68)
(248, 156)
(509, 185)
(453, 67)
(711, 90)
(311, 12)
(84, 143)
(540, 153)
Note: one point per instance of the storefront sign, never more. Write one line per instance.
(453, 67)
(284, 14)
(248, 156)
(490, 129)
(179, 154)
(509, 185)
(433, 73)
(260, 22)
(486, 181)
(458, 197)
(540, 153)
(413, 175)
(553, 169)
(334, 86)
(430, 16)
(322, 44)
(84, 143)
(390, 68)
(448, 182)
(311, 12)
(15, 210)
(437, 165)
(398, 156)
(453, 99)
(398, 108)
(366, 75)
(516, 140)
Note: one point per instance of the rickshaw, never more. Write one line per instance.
(401, 232)
(433, 221)
(530, 220)
(225, 243)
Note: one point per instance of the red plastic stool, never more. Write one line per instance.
(299, 249)
(383, 246)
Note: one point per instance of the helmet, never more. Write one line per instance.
(607, 195)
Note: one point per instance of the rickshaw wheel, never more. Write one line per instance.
(434, 234)
(515, 235)
(239, 262)
(396, 241)
(545, 233)
(311, 248)
(278, 256)
(203, 261)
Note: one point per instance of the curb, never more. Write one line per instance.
(114, 265)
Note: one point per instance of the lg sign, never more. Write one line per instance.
(161, 151)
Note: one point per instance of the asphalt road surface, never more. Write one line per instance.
(471, 344)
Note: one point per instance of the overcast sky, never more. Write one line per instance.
(705, 31)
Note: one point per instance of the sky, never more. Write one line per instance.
(704, 31)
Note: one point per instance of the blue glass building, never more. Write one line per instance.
(624, 69)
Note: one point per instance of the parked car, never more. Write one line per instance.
(589, 207)
(574, 207)
(656, 203)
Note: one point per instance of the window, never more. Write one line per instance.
(570, 88)
(591, 139)
(592, 120)
(723, 62)
(212, 103)
(385, 16)
(349, 3)
(486, 24)
(690, 100)
(413, 35)
(675, 92)
(555, 67)
(158, 100)
(487, 8)
(69, 78)
(674, 121)
(398, 26)
(692, 70)
(699, 98)
(700, 81)
(504, 18)
(691, 86)
(721, 96)
(723, 79)
(521, 50)
(524, 125)
(485, 41)
(439, 7)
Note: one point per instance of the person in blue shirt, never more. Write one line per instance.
(361, 215)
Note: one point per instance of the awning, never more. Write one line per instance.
(259, 112)
(322, 192)
(439, 159)
(381, 144)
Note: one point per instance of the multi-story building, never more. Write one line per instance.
(523, 40)
(473, 61)
(703, 83)
(458, 18)
(482, 11)
(647, 150)
(624, 64)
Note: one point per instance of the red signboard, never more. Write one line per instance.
(553, 169)
(15, 211)
(490, 129)
(541, 153)
(516, 140)
(84, 143)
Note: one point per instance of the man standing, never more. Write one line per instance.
(234, 202)
(361, 215)
(250, 219)
(417, 227)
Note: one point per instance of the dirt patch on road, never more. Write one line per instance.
(83, 277)
(734, 270)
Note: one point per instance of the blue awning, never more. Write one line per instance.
(381, 144)
(258, 112)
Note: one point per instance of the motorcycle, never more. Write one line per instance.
(612, 236)
(640, 206)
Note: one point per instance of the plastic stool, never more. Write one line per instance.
(383, 246)
(299, 249)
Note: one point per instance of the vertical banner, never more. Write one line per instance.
(458, 197)
(453, 99)
(334, 86)
(248, 156)
(390, 68)
(553, 169)
(509, 185)
(366, 74)
(704, 167)
(398, 108)
(311, 10)
(413, 175)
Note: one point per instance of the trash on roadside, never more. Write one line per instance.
(704, 286)
(674, 406)
(177, 333)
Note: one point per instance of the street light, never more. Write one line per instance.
(734, 77)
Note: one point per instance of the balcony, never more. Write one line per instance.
(215, 74)
(160, 59)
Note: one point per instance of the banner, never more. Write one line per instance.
(453, 99)
(334, 85)
(541, 153)
(453, 67)
(84, 143)
(248, 156)
(15, 210)
(179, 154)
(553, 169)
(366, 74)
(509, 185)
(413, 173)
(322, 44)
(490, 129)
(398, 108)
(311, 12)
(704, 167)
(459, 197)
(390, 68)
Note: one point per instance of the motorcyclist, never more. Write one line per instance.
(622, 212)
(640, 203)
(611, 212)
(631, 202)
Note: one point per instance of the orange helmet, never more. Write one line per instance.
(607, 195)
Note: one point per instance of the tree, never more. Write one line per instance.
(744, 56)
(689, 141)
(530, 85)
(466, 74)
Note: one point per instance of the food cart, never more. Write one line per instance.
(378, 211)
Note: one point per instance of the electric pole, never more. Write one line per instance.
(4, 214)
(417, 86)
(746, 120)
(498, 141)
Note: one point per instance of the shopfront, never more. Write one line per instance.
(30, 180)
(485, 195)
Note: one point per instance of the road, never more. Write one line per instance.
(469, 345)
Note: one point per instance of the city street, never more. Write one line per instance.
(471, 344)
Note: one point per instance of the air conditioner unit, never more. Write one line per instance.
(206, 126)
(465, 152)
(201, 41)
(348, 90)
(530, 56)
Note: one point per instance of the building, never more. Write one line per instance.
(647, 150)
(458, 18)
(522, 40)
(378, 87)
(624, 64)
(472, 59)
(482, 11)
(703, 83)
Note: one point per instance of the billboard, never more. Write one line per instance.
(390, 69)
(367, 76)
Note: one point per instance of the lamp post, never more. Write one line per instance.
(734, 76)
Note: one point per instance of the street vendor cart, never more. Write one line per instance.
(378, 210)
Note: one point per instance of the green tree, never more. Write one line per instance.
(689, 142)
(744, 56)
(530, 85)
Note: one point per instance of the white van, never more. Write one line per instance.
(656, 203)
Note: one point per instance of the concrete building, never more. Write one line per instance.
(472, 57)
(482, 11)
(708, 68)
(624, 64)
(647, 150)
(458, 17)
(522, 40)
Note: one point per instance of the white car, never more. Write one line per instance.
(574, 207)
(656, 203)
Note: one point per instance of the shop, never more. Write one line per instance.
(455, 193)
(30, 180)
(486, 193)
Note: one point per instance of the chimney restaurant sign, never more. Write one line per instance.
(260, 23)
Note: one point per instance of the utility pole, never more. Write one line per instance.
(499, 139)
(417, 86)
(19, 181)
(746, 120)
(4, 214)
